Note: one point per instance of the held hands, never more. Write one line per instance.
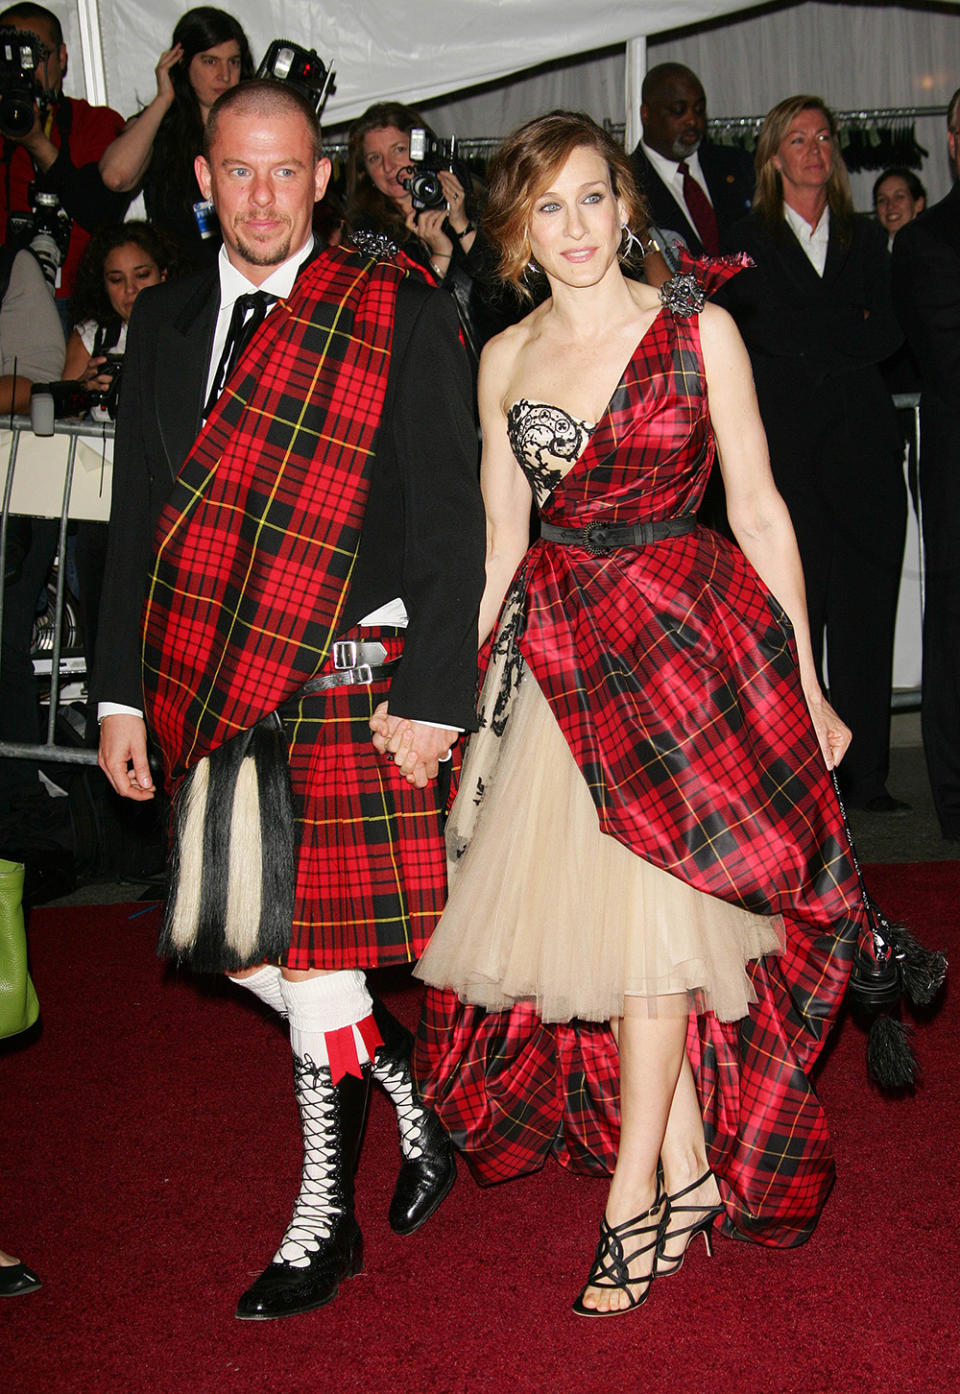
(416, 749)
(123, 756)
(834, 736)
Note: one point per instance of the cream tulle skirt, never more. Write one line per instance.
(545, 906)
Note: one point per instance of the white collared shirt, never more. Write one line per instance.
(812, 240)
(233, 284)
(669, 172)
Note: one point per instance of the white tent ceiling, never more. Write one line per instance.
(378, 48)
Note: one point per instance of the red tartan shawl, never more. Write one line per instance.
(255, 548)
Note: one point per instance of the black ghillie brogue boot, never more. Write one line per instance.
(322, 1244)
(428, 1168)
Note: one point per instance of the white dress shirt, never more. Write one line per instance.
(669, 172)
(813, 240)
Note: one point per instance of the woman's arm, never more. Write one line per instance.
(458, 218)
(77, 359)
(757, 513)
(506, 493)
(124, 162)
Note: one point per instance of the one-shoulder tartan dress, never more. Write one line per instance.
(672, 673)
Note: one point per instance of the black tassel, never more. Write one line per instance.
(889, 963)
(890, 1058)
(922, 970)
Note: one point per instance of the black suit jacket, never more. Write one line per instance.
(728, 172)
(926, 290)
(815, 346)
(422, 537)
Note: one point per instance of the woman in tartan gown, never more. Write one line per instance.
(646, 823)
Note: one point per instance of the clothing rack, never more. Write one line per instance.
(863, 116)
(481, 148)
(717, 125)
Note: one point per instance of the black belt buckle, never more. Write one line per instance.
(595, 539)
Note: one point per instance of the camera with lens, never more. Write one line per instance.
(20, 56)
(429, 155)
(45, 230)
(70, 400)
(302, 68)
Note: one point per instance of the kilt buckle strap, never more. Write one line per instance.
(357, 663)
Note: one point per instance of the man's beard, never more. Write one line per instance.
(259, 255)
(682, 151)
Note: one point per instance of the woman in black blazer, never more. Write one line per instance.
(817, 319)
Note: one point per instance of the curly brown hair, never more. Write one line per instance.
(524, 166)
(89, 299)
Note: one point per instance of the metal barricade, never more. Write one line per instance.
(37, 469)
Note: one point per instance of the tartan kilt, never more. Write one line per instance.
(370, 861)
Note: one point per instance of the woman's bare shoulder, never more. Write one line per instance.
(502, 351)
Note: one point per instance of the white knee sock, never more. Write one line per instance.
(322, 1009)
(265, 984)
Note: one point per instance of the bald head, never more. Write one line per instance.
(673, 111)
(263, 97)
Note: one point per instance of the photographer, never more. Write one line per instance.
(444, 240)
(31, 350)
(31, 339)
(120, 261)
(59, 153)
(209, 53)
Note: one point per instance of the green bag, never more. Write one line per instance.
(19, 1007)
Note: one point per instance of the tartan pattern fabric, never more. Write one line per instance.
(370, 861)
(672, 673)
(255, 548)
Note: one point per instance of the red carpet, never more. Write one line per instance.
(150, 1156)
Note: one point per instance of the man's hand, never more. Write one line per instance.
(416, 749)
(123, 756)
(37, 143)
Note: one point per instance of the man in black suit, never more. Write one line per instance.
(693, 188)
(418, 569)
(926, 289)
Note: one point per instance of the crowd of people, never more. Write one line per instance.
(648, 861)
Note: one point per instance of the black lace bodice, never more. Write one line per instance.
(546, 441)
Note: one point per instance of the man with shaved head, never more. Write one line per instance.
(694, 188)
(296, 436)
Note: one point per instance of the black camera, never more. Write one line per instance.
(429, 155)
(45, 230)
(70, 400)
(302, 68)
(20, 56)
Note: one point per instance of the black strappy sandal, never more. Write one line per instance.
(667, 1265)
(611, 1265)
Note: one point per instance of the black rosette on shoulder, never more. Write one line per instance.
(698, 278)
(374, 244)
(683, 294)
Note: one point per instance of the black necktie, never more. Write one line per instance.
(249, 312)
(701, 211)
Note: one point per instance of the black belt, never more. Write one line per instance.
(600, 538)
(356, 663)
